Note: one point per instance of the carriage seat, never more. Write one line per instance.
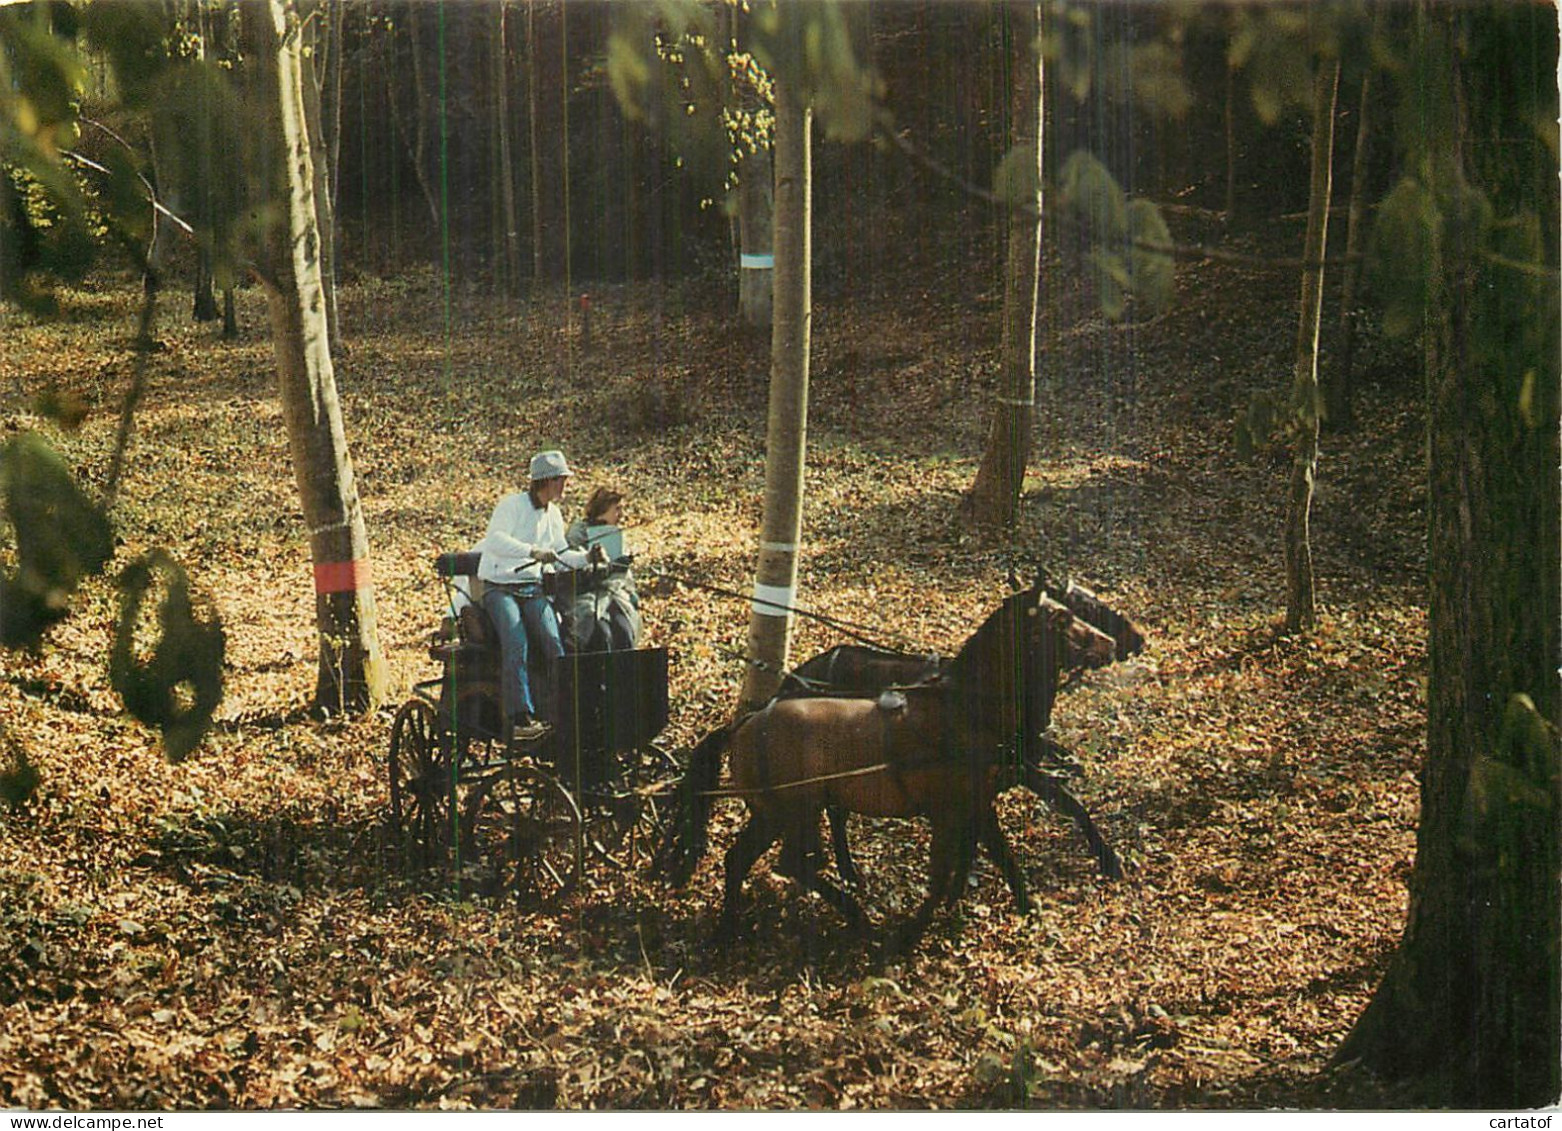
(468, 633)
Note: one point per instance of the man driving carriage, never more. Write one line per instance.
(525, 534)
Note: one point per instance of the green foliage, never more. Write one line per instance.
(1273, 45)
(667, 70)
(61, 537)
(1405, 255)
(1087, 188)
(1085, 57)
(1132, 271)
(1150, 271)
(1257, 426)
(174, 683)
(1015, 179)
(808, 44)
(43, 213)
(136, 38)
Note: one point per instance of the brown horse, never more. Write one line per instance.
(930, 750)
(856, 671)
(853, 670)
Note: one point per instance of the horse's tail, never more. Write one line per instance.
(685, 843)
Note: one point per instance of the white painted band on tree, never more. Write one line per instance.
(343, 525)
(763, 262)
(774, 600)
(1017, 402)
(779, 547)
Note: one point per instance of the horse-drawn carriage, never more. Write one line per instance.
(525, 818)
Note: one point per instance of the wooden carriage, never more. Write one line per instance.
(526, 818)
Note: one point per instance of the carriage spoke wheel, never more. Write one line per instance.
(418, 779)
(474, 743)
(523, 836)
(623, 826)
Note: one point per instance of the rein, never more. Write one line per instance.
(861, 771)
(857, 632)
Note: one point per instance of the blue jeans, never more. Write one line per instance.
(523, 616)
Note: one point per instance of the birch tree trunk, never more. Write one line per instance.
(775, 576)
(351, 669)
(1301, 604)
(995, 496)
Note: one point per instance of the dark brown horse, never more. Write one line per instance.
(932, 750)
(854, 670)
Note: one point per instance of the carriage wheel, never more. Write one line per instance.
(523, 834)
(472, 739)
(623, 826)
(419, 777)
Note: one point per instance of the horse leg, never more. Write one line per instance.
(845, 866)
(1056, 794)
(756, 836)
(990, 832)
(949, 854)
(800, 854)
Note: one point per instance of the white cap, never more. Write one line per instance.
(549, 465)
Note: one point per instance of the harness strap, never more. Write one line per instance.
(857, 773)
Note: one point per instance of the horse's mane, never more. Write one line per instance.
(980, 645)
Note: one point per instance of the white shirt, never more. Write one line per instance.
(514, 531)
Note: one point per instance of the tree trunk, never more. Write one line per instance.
(204, 306)
(756, 259)
(332, 118)
(995, 496)
(509, 241)
(549, 130)
(756, 207)
(1337, 390)
(417, 139)
(775, 576)
(1301, 608)
(324, 173)
(351, 670)
(1231, 143)
(1469, 1005)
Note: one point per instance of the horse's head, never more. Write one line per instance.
(1084, 645)
(1088, 645)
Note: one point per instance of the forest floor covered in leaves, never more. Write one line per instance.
(237, 930)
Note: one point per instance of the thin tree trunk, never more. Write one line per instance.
(1231, 142)
(418, 140)
(548, 130)
(333, 101)
(995, 495)
(1339, 386)
(351, 669)
(509, 218)
(204, 304)
(775, 576)
(1301, 602)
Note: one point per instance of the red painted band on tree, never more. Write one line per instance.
(341, 577)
